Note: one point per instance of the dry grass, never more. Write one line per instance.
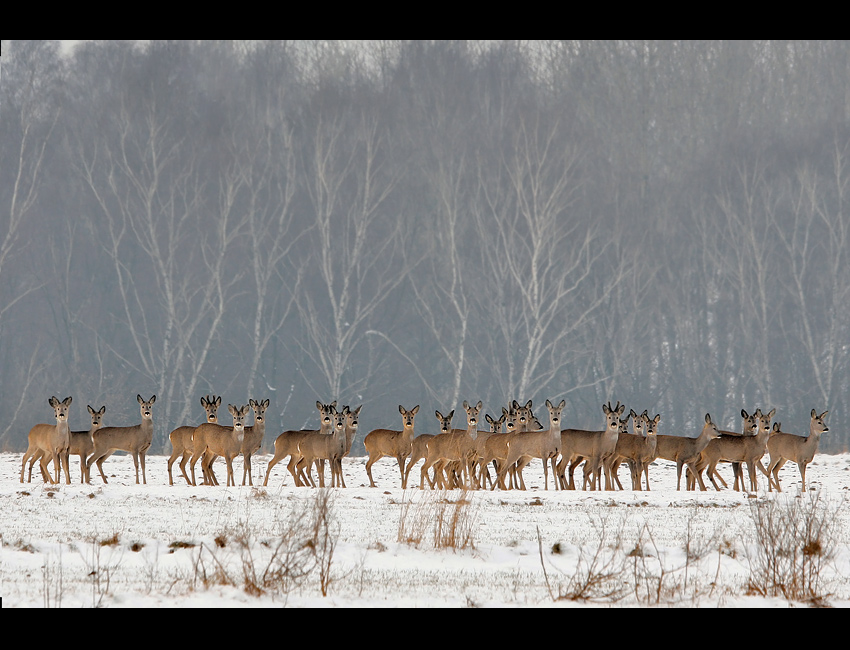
(448, 522)
(795, 540)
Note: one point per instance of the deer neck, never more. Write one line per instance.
(62, 429)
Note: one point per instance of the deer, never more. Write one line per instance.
(80, 445)
(253, 438)
(217, 440)
(351, 424)
(450, 447)
(483, 473)
(135, 439)
(390, 442)
(748, 448)
(798, 449)
(318, 445)
(352, 418)
(728, 444)
(649, 454)
(685, 451)
(496, 445)
(419, 449)
(544, 444)
(181, 438)
(286, 444)
(637, 448)
(593, 447)
(51, 440)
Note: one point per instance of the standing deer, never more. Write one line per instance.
(389, 442)
(726, 447)
(181, 439)
(286, 444)
(787, 446)
(51, 440)
(318, 445)
(134, 439)
(351, 423)
(419, 448)
(686, 451)
(221, 441)
(593, 447)
(482, 473)
(253, 439)
(80, 445)
(448, 448)
(545, 444)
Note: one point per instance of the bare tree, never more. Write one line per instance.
(168, 224)
(554, 267)
(354, 257)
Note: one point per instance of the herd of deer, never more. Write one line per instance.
(452, 458)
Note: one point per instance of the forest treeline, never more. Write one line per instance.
(660, 223)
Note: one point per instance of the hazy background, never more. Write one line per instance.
(423, 222)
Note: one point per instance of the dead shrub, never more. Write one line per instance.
(795, 541)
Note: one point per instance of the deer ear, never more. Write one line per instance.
(504, 412)
(479, 405)
(465, 404)
(232, 409)
(771, 414)
(102, 409)
(744, 414)
(266, 403)
(53, 401)
(451, 414)
(218, 401)
(91, 410)
(319, 405)
(139, 399)
(415, 409)
(401, 409)
(252, 403)
(549, 403)
(152, 399)
(707, 418)
(814, 413)
(823, 415)
(632, 413)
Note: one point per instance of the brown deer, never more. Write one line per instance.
(448, 448)
(686, 451)
(419, 449)
(221, 441)
(318, 445)
(593, 447)
(390, 442)
(286, 444)
(51, 440)
(637, 447)
(545, 444)
(253, 439)
(81, 445)
(181, 438)
(726, 447)
(135, 439)
(798, 449)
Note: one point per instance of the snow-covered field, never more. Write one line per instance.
(127, 545)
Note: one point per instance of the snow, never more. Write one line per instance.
(128, 545)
